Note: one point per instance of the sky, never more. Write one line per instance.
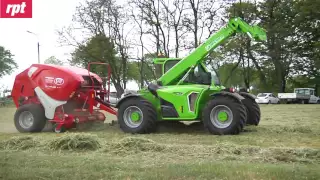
(48, 16)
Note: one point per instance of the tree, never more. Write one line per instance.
(277, 59)
(100, 49)
(102, 22)
(277, 17)
(155, 22)
(175, 21)
(149, 71)
(7, 63)
(292, 48)
(307, 40)
(240, 46)
(201, 17)
(53, 60)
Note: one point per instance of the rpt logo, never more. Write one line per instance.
(15, 8)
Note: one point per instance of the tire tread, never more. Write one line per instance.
(239, 108)
(149, 118)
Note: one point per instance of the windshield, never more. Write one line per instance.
(206, 77)
(302, 91)
(262, 95)
(199, 72)
(169, 64)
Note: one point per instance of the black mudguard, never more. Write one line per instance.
(130, 95)
(248, 95)
(236, 96)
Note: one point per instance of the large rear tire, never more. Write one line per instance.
(253, 111)
(224, 115)
(30, 118)
(137, 116)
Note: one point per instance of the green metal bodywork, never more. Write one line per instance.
(175, 90)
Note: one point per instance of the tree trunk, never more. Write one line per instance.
(177, 41)
(283, 84)
(119, 89)
(256, 64)
(232, 70)
(141, 73)
(246, 72)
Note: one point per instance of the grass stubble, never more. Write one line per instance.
(281, 147)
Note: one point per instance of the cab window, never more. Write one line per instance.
(169, 64)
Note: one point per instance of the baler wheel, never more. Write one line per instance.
(137, 115)
(30, 118)
(56, 130)
(224, 115)
(253, 111)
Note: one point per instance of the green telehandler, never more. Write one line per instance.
(188, 91)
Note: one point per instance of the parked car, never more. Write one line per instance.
(112, 98)
(267, 98)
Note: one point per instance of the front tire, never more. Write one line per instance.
(30, 118)
(137, 116)
(224, 115)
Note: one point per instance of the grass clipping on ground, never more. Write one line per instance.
(19, 143)
(74, 141)
(136, 144)
(82, 142)
(86, 142)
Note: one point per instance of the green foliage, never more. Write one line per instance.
(229, 79)
(307, 40)
(54, 61)
(97, 49)
(234, 78)
(146, 73)
(133, 72)
(7, 63)
(292, 47)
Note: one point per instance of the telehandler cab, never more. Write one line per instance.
(188, 91)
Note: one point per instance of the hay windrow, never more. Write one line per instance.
(272, 154)
(19, 143)
(290, 129)
(136, 144)
(87, 142)
(75, 141)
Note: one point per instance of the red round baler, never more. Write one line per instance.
(64, 96)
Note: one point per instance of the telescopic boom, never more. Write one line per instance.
(234, 25)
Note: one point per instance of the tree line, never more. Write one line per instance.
(128, 36)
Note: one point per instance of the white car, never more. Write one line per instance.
(267, 98)
(112, 98)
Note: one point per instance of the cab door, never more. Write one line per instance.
(313, 98)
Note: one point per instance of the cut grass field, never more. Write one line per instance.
(286, 145)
